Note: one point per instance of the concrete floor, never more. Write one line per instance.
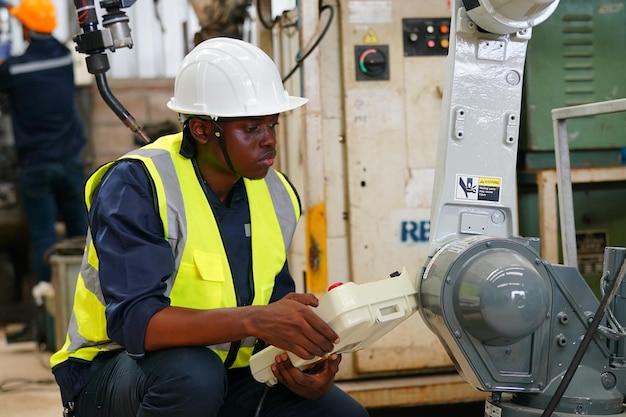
(27, 388)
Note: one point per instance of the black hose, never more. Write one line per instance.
(117, 107)
(300, 59)
(259, 13)
(91, 43)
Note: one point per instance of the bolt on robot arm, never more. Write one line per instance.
(512, 322)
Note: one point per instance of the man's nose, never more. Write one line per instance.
(268, 136)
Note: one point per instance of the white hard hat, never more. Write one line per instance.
(225, 77)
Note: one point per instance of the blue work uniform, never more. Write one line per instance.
(48, 138)
(40, 88)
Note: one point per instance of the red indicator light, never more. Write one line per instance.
(430, 43)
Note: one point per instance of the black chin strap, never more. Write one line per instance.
(218, 132)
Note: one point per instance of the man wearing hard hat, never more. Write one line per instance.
(185, 272)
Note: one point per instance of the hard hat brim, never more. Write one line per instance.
(292, 103)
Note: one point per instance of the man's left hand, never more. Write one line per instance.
(311, 383)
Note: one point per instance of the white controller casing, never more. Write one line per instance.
(359, 313)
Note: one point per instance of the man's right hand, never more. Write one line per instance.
(291, 324)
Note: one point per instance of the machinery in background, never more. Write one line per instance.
(216, 18)
(95, 41)
(531, 333)
(220, 18)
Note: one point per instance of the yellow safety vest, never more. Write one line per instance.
(202, 277)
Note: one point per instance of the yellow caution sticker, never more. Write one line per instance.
(370, 37)
(478, 188)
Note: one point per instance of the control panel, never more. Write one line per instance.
(426, 36)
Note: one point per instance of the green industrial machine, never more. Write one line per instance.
(577, 56)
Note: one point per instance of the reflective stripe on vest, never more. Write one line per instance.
(202, 276)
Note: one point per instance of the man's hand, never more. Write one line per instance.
(290, 324)
(311, 383)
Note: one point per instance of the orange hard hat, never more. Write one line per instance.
(36, 15)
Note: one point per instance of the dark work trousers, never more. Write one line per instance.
(52, 191)
(192, 382)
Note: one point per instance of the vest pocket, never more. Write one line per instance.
(200, 284)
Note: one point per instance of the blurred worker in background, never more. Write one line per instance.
(185, 272)
(48, 132)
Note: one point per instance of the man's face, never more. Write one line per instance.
(251, 144)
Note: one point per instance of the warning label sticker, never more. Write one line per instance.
(476, 188)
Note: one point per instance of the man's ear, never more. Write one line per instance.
(200, 130)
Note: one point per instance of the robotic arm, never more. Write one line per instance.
(512, 323)
(94, 42)
(480, 119)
